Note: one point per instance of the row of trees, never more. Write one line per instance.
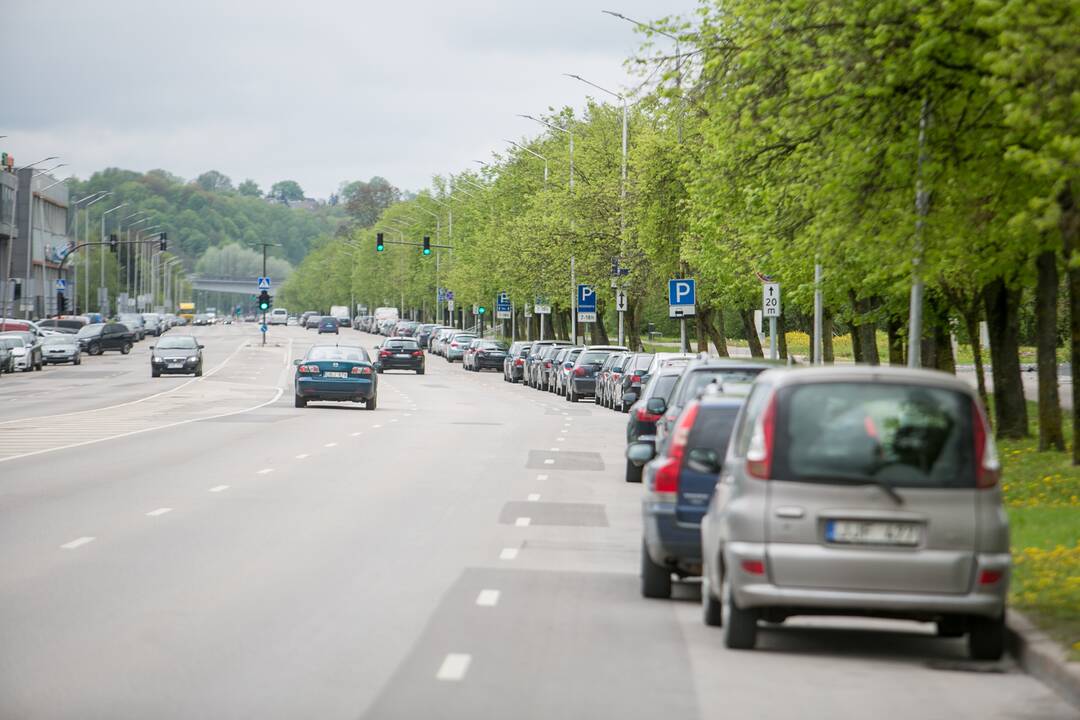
(887, 142)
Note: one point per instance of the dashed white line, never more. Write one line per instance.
(541, 477)
(357, 434)
(488, 598)
(159, 511)
(534, 497)
(549, 461)
(564, 431)
(301, 456)
(561, 439)
(522, 522)
(393, 419)
(265, 471)
(508, 553)
(219, 488)
(555, 449)
(330, 445)
(376, 426)
(454, 666)
(408, 414)
(77, 542)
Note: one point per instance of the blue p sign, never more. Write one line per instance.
(586, 298)
(681, 292)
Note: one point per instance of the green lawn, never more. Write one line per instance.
(1042, 494)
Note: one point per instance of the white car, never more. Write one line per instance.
(278, 316)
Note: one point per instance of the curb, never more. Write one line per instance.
(1043, 658)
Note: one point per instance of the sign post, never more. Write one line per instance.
(770, 308)
(586, 305)
(542, 307)
(620, 306)
(682, 297)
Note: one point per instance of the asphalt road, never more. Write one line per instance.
(469, 550)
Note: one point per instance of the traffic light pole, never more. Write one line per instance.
(264, 312)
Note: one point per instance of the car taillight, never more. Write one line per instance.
(989, 577)
(547, 363)
(579, 371)
(519, 362)
(666, 479)
(360, 370)
(385, 353)
(754, 567)
(418, 353)
(309, 369)
(453, 345)
(760, 453)
(987, 466)
(643, 415)
(635, 378)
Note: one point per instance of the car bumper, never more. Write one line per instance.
(21, 361)
(669, 541)
(517, 373)
(320, 389)
(454, 354)
(752, 591)
(185, 369)
(69, 357)
(324, 331)
(493, 363)
(401, 364)
(584, 386)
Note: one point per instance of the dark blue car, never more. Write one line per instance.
(336, 372)
(679, 484)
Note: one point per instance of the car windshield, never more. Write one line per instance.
(59, 340)
(904, 435)
(10, 341)
(337, 352)
(177, 343)
(90, 330)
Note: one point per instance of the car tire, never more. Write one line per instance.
(633, 472)
(371, 403)
(571, 396)
(77, 361)
(299, 401)
(712, 610)
(40, 366)
(155, 373)
(198, 373)
(986, 637)
(739, 624)
(93, 349)
(125, 348)
(951, 626)
(655, 579)
(420, 371)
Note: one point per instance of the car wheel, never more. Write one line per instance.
(740, 625)
(77, 361)
(40, 366)
(299, 401)
(94, 349)
(951, 626)
(633, 472)
(712, 612)
(420, 371)
(125, 349)
(371, 402)
(198, 373)
(986, 637)
(655, 579)
(571, 396)
(155, 373)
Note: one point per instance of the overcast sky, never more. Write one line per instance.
(315, 91)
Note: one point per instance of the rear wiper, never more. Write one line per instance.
(858, 479)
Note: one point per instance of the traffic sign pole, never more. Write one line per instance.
(682, 297)
(770, 308)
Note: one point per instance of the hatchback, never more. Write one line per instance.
(62, 349)
(868, 491)
(487, 354)
(398, 353)
(582, 382)
(514, 363)
(626, 392)
(328, 324)
(641, 426)
(455, 347)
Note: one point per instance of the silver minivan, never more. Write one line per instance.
(867, 491)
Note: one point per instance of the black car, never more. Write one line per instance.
(328, 324)
(628, 389)
(176, 354)
(96, 338)
(400, 353)
(583, 376)
(488, 354)
(725, 373)
(641, 427)
(514, 362)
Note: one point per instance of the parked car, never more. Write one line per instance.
(488, 354)
(610, 373)
(97, 338)
(530, 372)
(563, 368)
(153, 324)
(328, 324)
(339, 373)
(63, 325)
(455, 347)
(29, 355)
(135, 323)
(405, 328)
(400, 353)
(859, 491)
(312, 321)
(424, 332)
(700, 373)
(627, 390)
(176, 354)
(679, 483)
(582, 382)
(641, 425)
(514, 362)
(62, 348)
(7, 358)
(544, 377)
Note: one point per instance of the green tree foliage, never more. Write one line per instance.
(237, 261)
(250, 188)
(214, 181)
(286, 190)
(365, 201)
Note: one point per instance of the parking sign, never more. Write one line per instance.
(586, 303)
(682, 296)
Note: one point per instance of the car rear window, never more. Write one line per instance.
(594, 357)
(347, 354)
(694, 382)
(662, 386)
(904, 435)
(402, 345)
(641, 362)
(709, 437)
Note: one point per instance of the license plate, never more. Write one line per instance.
(403, 355)
(871, 533)
(176, 364)
(336, 375)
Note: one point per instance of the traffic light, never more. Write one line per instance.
(427, 245)
(61, 303)
(164, 238)
(114, 243)
(480, 310)
(379, 246)
(264, 301)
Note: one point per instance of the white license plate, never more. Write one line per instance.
(403, 355)
(336, 374)
(871, 533)
(176, 364)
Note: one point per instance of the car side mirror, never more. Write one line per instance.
(152, 347)
(297, 362)
(200, 347)
(639, 453)
(630, 398)
(568, 365)
(656, 406)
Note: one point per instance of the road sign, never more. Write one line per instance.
(770, 300)
(264, 283)
(542, 306)
(61, 284)
(442, 294)
(620, 301)
(263, 328)
(527, 308)
(682, 296)
(586, 303)
(503, 308)
(450, 296)
(450, 305)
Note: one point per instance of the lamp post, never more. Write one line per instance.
(86, 255)
(562, 130)
(534, 154)
(103, 305)
(92, 197)
(129, 267)
(140, 254)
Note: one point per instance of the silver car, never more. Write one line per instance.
(869, 491)
(62, 348)
(456, 344)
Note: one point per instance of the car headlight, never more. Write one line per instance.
(193, 358)
(157, 359)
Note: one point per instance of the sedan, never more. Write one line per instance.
(176, 354)
(487, 354)
(311, 322)
(338, 373)
(398, 353)
(62, 348)
(455, 348)
(582, 382)
(514, 363)
(28, 353)
(16, 354)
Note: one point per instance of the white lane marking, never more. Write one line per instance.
(554, 449)
(376, 426)
(330, 445)
(301, 456)
(522, 522)
(534, 497)
(408, 414)
(265, 471)
(488, 598)
(562, 439)
(393, 419)
(159, 511)
(77, 542)
(564, 431)
(357, 434)
(549, 461)
(454, 666)
(219, 488)
(508, 553)
(541, 477)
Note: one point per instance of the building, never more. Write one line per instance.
(7, 234)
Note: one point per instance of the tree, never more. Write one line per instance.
(365, 201)
(249, 188)
(214, 181)
(286, 190)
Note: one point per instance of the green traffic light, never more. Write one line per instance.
(481, 310)
(427, 251)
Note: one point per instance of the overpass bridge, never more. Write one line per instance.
(236, 286)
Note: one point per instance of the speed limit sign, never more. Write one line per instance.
(770, 300)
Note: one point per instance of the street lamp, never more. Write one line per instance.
(101, 195)
(129, 267)
(622, 99)
(101, 280)
(562, 130)
(534, 154)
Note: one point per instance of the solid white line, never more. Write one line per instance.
(549, 461)
(301, 456)
(508, 553)
(541, 477)
(330, 445)
(376, 426)
(534, 497)
(219, 488)
(488, 598)
(454, 667)
(159, 511)
(522, 522)
(265, 471)
(77, 542)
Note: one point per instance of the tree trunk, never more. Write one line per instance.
(699, 329)
(896, 341)
(558, 325)
(1046, 299)
(598, 331)
(716, 332)
(781, 337)
(1070, 236)
(971, 325)
(1010, 409)
(856, 345)
(751, 333)
(827, 354)
(633, 334)
(868, 334)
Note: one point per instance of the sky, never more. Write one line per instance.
(320, 92)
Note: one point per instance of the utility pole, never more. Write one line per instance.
(264, 246)
(922, 209)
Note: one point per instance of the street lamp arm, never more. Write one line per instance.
(601, 89)
(522, 147)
